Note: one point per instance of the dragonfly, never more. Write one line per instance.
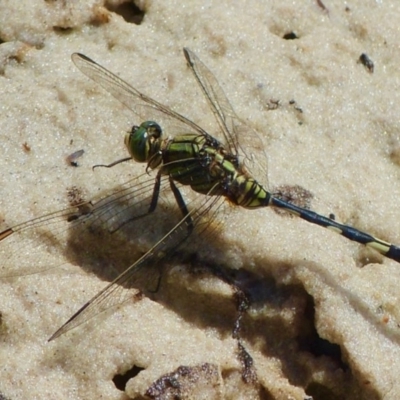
(217, 170)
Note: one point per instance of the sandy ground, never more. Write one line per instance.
(324, 322)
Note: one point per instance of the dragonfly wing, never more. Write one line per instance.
(35, 245)
(251, 152)
(29, 248)
(128, 95)
(240, 139)
(216, 99)
(116, 293)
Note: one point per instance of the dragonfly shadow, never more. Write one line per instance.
(110, 239)
(188, 281)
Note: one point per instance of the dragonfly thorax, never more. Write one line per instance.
(144, 142)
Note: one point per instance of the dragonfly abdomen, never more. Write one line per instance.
(247, 192)
(385, 248)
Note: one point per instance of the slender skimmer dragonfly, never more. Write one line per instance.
(218, 170)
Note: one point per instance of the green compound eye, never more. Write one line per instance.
(143, 141)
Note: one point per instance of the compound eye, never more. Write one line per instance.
(142, 141)
(153, 129)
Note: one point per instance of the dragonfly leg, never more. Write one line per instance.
(156, 193)
(152, 207)
(181, 204)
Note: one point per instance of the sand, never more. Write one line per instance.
(324, 321)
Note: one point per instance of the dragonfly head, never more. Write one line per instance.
(143, 141)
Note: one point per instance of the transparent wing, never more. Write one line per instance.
(241, 140)
(88, 229)
(116, 293)
(144, 106)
